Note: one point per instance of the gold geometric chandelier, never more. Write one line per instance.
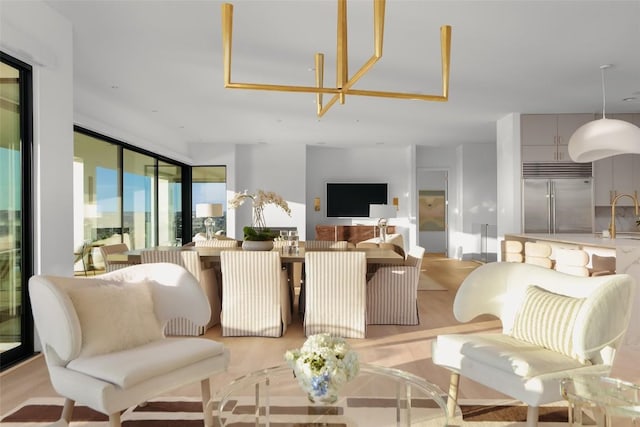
(344, 84)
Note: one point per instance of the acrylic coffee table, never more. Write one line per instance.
(613, 402)
(376, 397)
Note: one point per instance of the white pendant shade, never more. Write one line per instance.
(604, 138)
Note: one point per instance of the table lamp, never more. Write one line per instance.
(208, 211)
(383, 213)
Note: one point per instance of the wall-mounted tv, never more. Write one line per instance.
(348, 199)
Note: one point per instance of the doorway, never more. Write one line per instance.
(432, 223)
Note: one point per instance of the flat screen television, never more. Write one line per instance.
(348, 199)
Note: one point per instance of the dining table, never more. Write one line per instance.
(211, 256)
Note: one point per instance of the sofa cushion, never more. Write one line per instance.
(502, 352)
(115, 317)
(133, 366)
(547, 319)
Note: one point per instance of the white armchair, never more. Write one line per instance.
(103, 342)
(554, 325)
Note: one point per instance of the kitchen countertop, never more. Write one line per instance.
(587, 239)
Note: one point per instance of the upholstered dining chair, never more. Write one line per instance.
(107, 250)
(392, 292)
(513, 251)
(335, 299)
(217, 243)
(256, 294)
(571, 261)
(554, 325)
(538, 254)
(326, 244)
(602, 265)
(190, 260)
(103, 342)
(314, 245)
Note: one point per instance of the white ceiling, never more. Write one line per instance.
(154, 68)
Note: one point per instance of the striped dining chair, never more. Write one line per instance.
(335, 300)
(256, 294)
(392, 292)
(107, 250)
(326, 244)
(190, 260)
(217, 243)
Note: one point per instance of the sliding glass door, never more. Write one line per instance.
(16, 337)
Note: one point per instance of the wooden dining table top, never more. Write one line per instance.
(212, 255)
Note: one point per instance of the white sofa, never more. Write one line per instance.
(554, 325)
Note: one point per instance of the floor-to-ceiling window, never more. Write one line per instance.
(169, 204)
(209, 185)
(97, 200)
(16, 337)
(123, 195)
(139, 199)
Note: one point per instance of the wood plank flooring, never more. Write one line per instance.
(402, 347)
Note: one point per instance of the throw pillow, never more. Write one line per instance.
(115, 317)
(547, 319)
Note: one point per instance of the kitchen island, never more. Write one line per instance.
(626, 249)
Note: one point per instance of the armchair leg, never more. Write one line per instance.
(532, 416)
(114, 420)
(207, 409)
(452, 399)
(67, 410)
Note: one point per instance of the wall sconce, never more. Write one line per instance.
(316, 204)
(395, 203)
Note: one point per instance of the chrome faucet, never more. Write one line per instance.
(612, 228)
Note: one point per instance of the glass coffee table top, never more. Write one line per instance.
(612, 400)
(376, 397)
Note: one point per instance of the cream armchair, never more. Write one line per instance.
(554, 325)
(103, 342)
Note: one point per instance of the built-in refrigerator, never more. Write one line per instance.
(558, 205)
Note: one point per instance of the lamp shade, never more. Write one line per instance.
(208, 210)
(382, 211)
(603, 138)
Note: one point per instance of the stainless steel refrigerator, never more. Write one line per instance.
(559, 205)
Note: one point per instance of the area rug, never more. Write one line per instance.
(426, 283)
(186, 412)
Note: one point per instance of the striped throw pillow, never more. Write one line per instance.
(547, 319)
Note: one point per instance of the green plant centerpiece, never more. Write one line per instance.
(255, 234)
(259, 232)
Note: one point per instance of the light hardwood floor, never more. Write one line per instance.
(402, 347)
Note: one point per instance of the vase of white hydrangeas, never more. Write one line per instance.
(322, 366)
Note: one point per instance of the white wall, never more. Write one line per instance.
(509, 176)
(471, 190)
(362, 164)
(33, 33)
(479, 195)
(445, 159)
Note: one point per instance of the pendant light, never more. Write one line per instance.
(604, 137)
